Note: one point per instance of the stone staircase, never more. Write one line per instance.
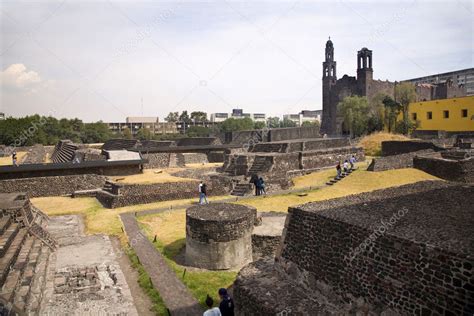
(177, 160)
(241, 189)
(259, 165)
(64, 151)
(23, 263)
(339, 178)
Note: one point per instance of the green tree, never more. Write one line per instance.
(96, 133)
(376, 113)
(354, 110)
(259, 125)
(198, 131)
(199, 116)
(273, 122)
(309, 124)
(233, 124)
(392, 110)
(172, 117)
(144, 134)
(184, 117)
(126, 133)
(286, 122)
(405, 93)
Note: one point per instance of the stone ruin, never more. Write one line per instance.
(278, 162)
(225, 236)
(25, 246)
(397, 251)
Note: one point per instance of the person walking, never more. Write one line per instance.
(254, 181)
(14, 158)
(227, 304)
(352, 161)
(261, 185)
(346, 166)
(212, 311)
(338, 169)
(203, 193)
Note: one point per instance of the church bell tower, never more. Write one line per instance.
(328, 124)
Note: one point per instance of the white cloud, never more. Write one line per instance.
(17, 76)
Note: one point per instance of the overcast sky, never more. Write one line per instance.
(101, 60)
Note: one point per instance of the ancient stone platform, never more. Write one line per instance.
(403, 250)
(218, 236)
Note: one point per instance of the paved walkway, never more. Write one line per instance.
(174, 293)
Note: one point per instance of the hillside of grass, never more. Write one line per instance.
(372, 143)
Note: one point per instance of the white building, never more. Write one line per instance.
(238, 113)
(2, 116)
(304, 116)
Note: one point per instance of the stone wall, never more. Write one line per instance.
(279, 134)
(198, 141)
(156, 160)
(452, 170)
(132, 194)
(52, 186)
(193, 158)
(396, 161)
(326, 158)
(396, 147)
(215, 156)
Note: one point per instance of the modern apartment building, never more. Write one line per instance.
(304, 116)
(460, 77)
(237, 114)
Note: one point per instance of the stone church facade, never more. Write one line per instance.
(335, 90)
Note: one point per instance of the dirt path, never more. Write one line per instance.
(176, 296)
(142, 302)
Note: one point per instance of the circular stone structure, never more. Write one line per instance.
(219, 236)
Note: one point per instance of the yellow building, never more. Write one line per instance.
(451, 115)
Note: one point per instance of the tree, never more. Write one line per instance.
(184, 117)
(172, 117)
(273, 122)
(233, 124)
(392, 110)
(287, 123)
(355, 111)
(199, 116)
(96, 133)
(144, 134)
(309, 124)
(126, 133)
(376, 113)
(198, 131)
(405, 93)
(259, 125)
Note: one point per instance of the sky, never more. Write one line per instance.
(106, 60)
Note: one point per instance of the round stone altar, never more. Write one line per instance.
(219, 236)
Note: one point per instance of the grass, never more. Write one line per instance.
(360, 181)
(169, 227)
(204, 165)
(150, 176)
(372, 143)
(159, 307)
(7, 161)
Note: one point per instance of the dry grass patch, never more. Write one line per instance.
(7, 161)
(372, 143)
(204, 165)
(359, 182)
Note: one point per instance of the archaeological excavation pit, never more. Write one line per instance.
(219, 236)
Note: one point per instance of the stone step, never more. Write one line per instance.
(38, 282)
(4, 224)
(7, 238)
(85, 193)
(12, 253)
(43, 235)
(11, 283)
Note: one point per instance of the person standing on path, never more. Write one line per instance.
(261, 186)
(14, 159)
(254, 181)
(352, 161)
(212, 311)
(203, 193)
(338, 169)
(227, 304)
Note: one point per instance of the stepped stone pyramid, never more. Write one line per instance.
(64, 151)
(25, 247)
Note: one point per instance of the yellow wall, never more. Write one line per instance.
(454, 123)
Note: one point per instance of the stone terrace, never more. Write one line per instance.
(353, 255)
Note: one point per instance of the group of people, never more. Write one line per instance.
(259, 184)
(347, 165)
(226, 306)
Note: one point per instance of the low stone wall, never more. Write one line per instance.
(452, 170)
(215, 156)
(132, 194)
(156, 160)
(330, 157)
(397, 147)
(396, 161)
(198, 141)
(326, 143)
(52, 186)
(192, 158)
(279, 134)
